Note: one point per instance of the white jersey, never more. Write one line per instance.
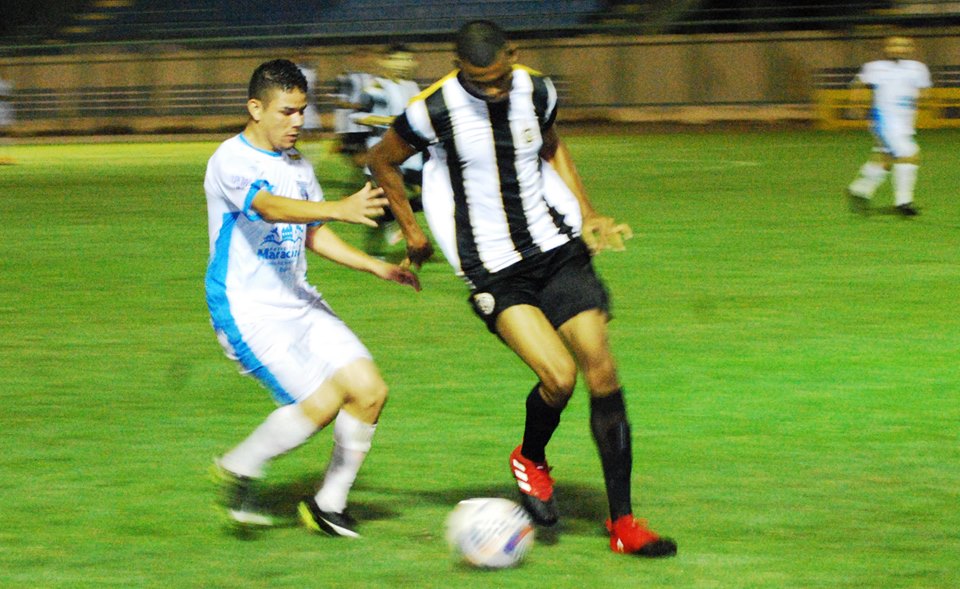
(257, 269)
(489, 198)
(388, 98)
(349, 88)
(896, 85)
(311, 116)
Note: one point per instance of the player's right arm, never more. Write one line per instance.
(361, 208)
(384, 161)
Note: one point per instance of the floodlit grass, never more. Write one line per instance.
(791, 369)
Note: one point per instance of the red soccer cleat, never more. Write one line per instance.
(536, 488)
(629, 535)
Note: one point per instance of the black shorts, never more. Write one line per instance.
(561, 282)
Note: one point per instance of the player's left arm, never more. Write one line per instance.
(599, 232)
(324, 242)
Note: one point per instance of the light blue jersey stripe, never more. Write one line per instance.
(880, 128)
(219, 305)
(252, 146)
(255, 187)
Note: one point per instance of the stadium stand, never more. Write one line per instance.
(89, 65)
(68, 24)
(243, 23)
(743, 16)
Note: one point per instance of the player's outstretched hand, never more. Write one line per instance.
(363, 206)
(400, 275)
(602, 233)
(417, 254)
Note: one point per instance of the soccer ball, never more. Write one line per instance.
(489, 532)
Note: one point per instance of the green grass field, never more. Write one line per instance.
(791, 370)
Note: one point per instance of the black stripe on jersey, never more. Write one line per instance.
(509, 184)
(541, 98)
(402, 126)
(470, 263)
(559, 222)
(555, 216)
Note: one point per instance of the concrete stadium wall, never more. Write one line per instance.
(689, 79)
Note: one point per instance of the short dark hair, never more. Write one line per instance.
(279, 73)
(479, 42)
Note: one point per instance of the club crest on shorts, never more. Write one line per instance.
(484, 302)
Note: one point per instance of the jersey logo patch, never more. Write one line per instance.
(484, 302)
(281, 234)
(281, 247)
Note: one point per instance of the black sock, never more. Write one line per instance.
(542, 421)
(611, 431)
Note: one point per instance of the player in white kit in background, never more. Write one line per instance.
(896, 83)
(265, 209)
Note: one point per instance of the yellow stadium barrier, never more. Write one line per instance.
(849, 109)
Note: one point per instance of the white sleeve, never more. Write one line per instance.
(236, 181)
(419, 119)
(867, 74)
(923, 76)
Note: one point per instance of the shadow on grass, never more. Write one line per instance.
(583, 508)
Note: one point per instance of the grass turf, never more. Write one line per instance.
(791, 372)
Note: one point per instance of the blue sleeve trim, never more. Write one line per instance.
(254, 189)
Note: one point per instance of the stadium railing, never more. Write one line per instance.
(839, 107)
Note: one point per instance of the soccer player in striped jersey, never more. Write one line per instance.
(896, 83)
(507, 207)
(265, 209)
(351, 137)
(381, 101)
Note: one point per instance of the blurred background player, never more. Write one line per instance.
(380, 102)
(351, 138)
(896, 84)
(510, 212)
(6, 120)
(265, 209)
(311, 116)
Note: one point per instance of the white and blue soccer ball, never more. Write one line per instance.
(490, 532)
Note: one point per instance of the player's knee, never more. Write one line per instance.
(600, 374)
(557, 383)
(368, 394)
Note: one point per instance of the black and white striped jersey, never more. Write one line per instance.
(489, 198)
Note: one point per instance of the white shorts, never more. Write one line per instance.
(894, 139)
(293, 357)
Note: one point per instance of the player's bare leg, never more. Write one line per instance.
(531, 336)
(586, 334)
(355, 396)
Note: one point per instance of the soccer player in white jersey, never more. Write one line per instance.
(265, 209)
(508, 209)
(896, 84)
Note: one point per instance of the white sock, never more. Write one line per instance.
(872, 175)
(352, 440)
(904, 179)
(283, 430)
